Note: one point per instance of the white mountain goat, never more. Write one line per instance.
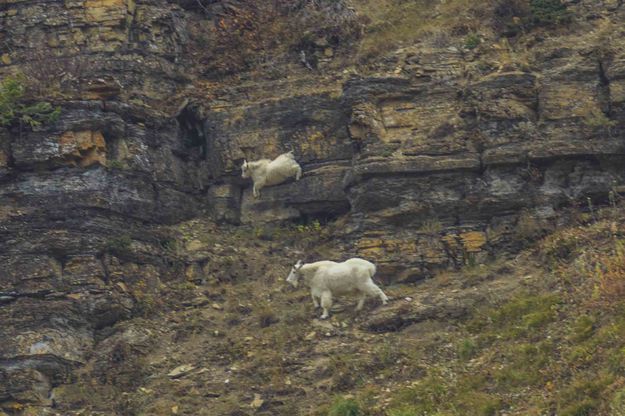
(265, 172)
(329, 278)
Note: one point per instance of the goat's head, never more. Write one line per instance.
(294, 276)
(245, 169)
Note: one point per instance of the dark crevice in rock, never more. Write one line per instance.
(316, 164)
(55, 368)
(40, 294)
(400, 175)
(191, 129)
(603, 93)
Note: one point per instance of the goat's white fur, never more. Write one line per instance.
(329, 278)
(265, 172)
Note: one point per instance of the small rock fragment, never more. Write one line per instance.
(258, 402)
(122, 286)
(181, 370)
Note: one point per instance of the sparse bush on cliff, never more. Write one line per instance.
(472, 41)
(513, 16)
(118, 245)
(48, 75)
(547, 12)
(595, 117)
(262, 34)
(345, 407)
(16, 110)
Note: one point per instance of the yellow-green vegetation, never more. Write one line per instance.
(597, 118)
(260, 34)
(472, 41)
(391, 23)
(431, 226)
(547, 12)
(558, 347)
(264, 37)
(395, 23)
(345, 407)
(542, 334)
(305, 236)
(517, 318)
(116, 164)
(15, 109)
(118, 245)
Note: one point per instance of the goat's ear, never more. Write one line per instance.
(299, 264)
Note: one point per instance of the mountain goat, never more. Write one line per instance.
(265, 172)
(329, 278)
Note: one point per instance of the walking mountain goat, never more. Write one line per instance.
(329, 278)
(265, 172)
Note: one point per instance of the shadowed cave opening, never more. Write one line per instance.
(191, 129)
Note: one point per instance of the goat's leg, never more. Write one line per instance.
(315, 301)
(298, 173)
(374, 291)
(255, 192)
(361, 301)
(326, 304)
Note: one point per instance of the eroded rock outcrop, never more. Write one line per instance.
(434, 162)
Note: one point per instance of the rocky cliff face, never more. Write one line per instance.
(431, 158)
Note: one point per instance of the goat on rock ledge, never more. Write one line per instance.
(265, 172)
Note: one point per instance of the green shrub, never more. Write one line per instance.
(405, 411)
(14, 109)
(583, 328)
(118, 245)
(477, 403)
(617, 405)
(466, 349)
(518, 317)
(116, 164)
(582, 396)
(344, 407)
(426, 396)
(312, 227)
(585, 407)
(472, 41)
(549, 12)
(524, 364)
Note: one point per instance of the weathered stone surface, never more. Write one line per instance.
(434, 163)
(319, 193)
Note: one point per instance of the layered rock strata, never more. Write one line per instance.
(432, 160)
